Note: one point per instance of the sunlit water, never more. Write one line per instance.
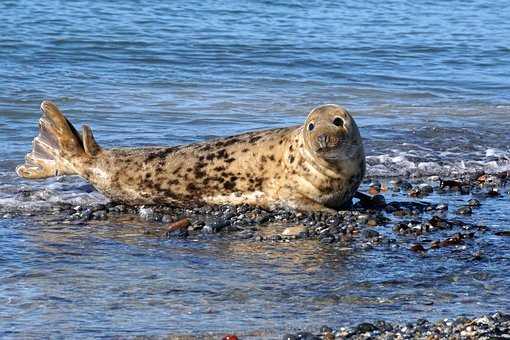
(429, 87)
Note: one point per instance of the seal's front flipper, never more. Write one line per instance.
(56, 147)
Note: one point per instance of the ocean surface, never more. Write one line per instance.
(428, 83)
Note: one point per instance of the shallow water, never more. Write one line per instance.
(428, 84)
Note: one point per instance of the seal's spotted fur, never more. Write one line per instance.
(312, 167)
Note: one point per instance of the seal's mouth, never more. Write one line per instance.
(340, 151)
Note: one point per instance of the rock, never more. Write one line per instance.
(417, 248)
(362, 219)
(371, 223)
(502, 233)
(230, 337)
(328, 336)
(473, 202)
(493, 192)
(365, 327)
(442, 206)
(369, 233)
(181, 224)
(464, 211)
(99, 215)
(406, 186)
(306, 336)
(326, 329)
(146, 213)
(215, 225)
(295, 230)
(289, 337)
(477, 256)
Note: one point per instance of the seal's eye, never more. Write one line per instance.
(338, 121)
(310, 126)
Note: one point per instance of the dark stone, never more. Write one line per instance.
(326, 329)
(417, 247)
(306, 336)
(289, 337)
(464, 211)
(369, 233)
(365, 327)
(473, 202)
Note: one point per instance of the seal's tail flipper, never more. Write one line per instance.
(57, 146)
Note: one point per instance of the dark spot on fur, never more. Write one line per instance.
(231, 141)
(263, 159)
(271, 157)
(291, 159)
(254, 139)
(191, 187)
(219, 168)
(161, 154)
(178, 169)
(229, 185)
(222, 153)
(230, 160)
(244, 150)
(173, 182)
(189, 169)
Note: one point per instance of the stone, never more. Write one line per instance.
(295, 230)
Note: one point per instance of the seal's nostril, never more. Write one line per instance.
(323, 141)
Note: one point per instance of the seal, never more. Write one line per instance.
(315, 166)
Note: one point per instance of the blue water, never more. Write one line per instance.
(429, 86)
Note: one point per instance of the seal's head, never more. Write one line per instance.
(331, 133)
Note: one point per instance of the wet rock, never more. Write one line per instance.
(146, 213)
(417, 248)
(502, 233)
(306, 336)
(215, 225)
(298, 230)
(365, 327)
(99, 215)
(405, 186)
(369, 233)
(493, 192)
(421, 190)
(179, 225)
(477, 256)
(362, 219)
(325, 329)
(374, 188)
(473, 203)
(289, 337)
(372, 222)
(441, 206)
(464, 211)
(230, 337)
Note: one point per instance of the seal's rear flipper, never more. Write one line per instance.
(57, 146)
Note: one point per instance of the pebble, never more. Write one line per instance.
(295, 231)
(473, 202)
(418, 248)
(495, 326)
(464, 211)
